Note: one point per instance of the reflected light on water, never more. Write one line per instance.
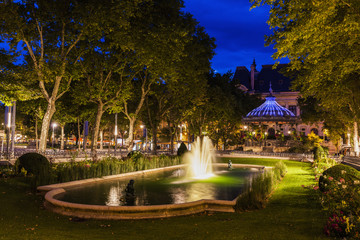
(193, 192)
(114, 196)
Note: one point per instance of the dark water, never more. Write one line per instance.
(163, 188)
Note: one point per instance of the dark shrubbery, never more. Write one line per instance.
(135, 155)
(337, 172)
(37, 168)
(182, 149)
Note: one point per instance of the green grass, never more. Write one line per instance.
(291, 213)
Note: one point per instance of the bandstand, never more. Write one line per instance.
(273, 118)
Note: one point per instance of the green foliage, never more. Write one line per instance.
(320, 39)
(65, 172)
(340, 195)
(33, 163)
(35, 166)
(258, 190)
(280, 170)
(322, 160)
(336, 173)
(182, 149)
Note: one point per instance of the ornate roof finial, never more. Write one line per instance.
(254, 62)
(270, 90)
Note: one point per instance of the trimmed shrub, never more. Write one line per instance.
(33, 163)
(182, 149)
(37, 168)
(337, 172)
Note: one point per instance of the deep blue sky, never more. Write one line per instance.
(239, 32)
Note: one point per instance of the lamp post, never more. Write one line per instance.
(115, 134)
(53, 134)
(265, 137)
(144, 135)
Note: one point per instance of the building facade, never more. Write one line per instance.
(259, 82)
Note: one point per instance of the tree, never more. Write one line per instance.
(321, 40)
(48, 32)
(161, 32)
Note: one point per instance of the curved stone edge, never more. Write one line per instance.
(132, 212)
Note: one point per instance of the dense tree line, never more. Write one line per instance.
(321, 40)
(147, 60)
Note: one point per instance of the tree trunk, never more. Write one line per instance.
(62, 137)
(36, 134)
(356, 137)
(79, 133)
(172, 142)
(95, 133)
(50, 110)
(154, 132)
(130, 140)
(13, 125)
(101, 139)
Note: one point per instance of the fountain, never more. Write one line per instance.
(157, 193)
(200, 159)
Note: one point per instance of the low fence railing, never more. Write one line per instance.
(270, 154)
(75, 154)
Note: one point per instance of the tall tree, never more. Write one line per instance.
(160, 32)
(321, 40)
(48, 32)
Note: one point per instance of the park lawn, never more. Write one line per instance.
(292, 213)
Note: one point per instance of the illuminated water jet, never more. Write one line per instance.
(200, 159)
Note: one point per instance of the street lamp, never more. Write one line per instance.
(53, 134)
(144, 135)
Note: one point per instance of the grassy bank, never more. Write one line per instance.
(290, 214)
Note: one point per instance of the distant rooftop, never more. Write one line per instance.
(262, 79)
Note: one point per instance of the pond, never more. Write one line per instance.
(167, 187)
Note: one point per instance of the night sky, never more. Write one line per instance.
(239, 32)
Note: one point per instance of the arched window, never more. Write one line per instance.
(271, 132)
(314, 130)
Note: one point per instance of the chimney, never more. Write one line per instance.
(253, 70)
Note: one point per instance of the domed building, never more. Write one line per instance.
(275, 111)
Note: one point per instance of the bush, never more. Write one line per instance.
(33, 163)
(340, 196)
(37, 168)
(320, 153)
(182, 149)
(280, 170)
(257, 191)
(64, 172)
(338, 172)
(135, 155)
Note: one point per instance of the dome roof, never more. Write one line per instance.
(270, 110)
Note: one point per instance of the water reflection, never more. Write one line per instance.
(160, 189)
(114, 196)
(192, 192)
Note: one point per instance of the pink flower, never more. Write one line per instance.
(316, 187)
(330, 178)
(302, 186)
(342, 180)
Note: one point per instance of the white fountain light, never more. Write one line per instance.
(200, 159)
